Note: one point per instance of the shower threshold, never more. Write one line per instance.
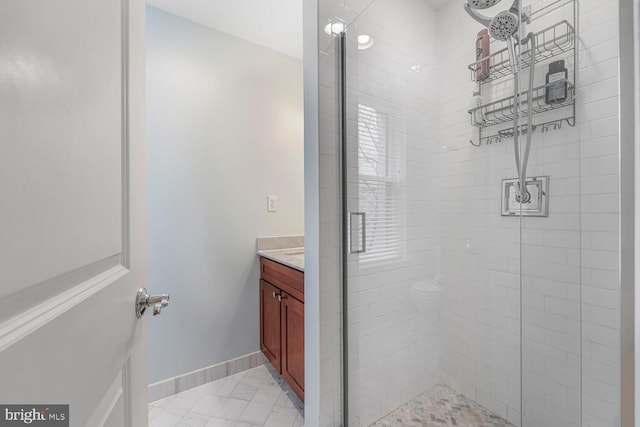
(442, 406)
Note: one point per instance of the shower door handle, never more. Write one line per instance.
(358, 231)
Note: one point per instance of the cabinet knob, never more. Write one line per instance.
(273, 294)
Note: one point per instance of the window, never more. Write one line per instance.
(376, 186)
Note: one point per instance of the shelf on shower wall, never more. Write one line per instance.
(543, 127)
(552, 41)
(502, 110)
(494, 120)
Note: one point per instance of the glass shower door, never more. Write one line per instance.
(431, 286)
(392, 261)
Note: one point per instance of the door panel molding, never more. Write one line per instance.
(126, 175)
(105, 408)
(55, 262)
(28, 298)
(53, 297)
(25, 323)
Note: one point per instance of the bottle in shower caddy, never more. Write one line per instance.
(557, 87)
(483, 70)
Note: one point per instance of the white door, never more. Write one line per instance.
(72, 243)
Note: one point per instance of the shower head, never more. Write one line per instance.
(504, 25)
(483, 4)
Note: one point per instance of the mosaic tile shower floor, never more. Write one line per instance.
(442, 406)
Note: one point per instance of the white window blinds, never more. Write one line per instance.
(376, 187)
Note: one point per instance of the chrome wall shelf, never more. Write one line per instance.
(550, 42)
(507, 133)
(494, 120)
(503, 110)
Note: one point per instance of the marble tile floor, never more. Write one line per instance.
(256, 397)
(442, 406)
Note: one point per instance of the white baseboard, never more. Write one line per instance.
(193, 379)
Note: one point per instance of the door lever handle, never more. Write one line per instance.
(144, 300)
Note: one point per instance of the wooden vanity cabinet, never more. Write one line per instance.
(292, 336)
(282, 321)
(270, 323)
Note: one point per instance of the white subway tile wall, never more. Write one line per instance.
(416, 76)
(599, 210)
(560, 300)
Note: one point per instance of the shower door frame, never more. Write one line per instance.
(629, 107)
(341, 45)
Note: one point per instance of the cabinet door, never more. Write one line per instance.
(270, 323)
(293, 343)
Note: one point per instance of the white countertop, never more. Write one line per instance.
(291, 257)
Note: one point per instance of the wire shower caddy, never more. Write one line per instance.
(555, 41)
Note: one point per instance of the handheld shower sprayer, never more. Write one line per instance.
(503, 26)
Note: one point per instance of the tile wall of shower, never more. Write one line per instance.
(481, 257)
(469, 335)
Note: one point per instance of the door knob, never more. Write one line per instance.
(144, 300)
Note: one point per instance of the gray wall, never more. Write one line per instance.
(224, 130)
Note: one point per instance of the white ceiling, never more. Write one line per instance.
(276, 24)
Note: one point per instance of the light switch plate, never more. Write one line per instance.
(272, 203)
